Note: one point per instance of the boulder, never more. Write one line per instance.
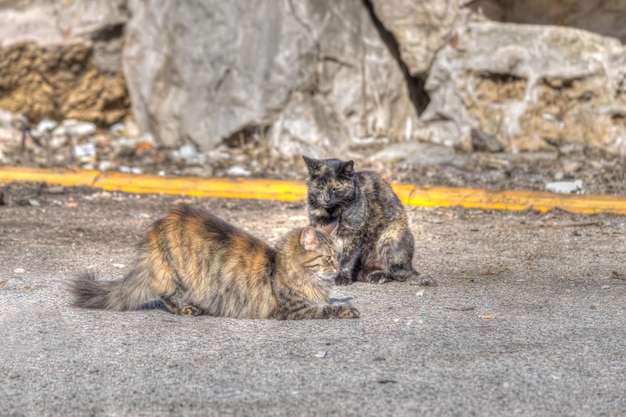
(528, 86)
(420, 27)
(311, 74)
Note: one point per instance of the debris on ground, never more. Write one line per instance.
(618, 275)
(566, 187)
(122, 147)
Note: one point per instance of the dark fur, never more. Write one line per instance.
(198, 264)
(372, 234)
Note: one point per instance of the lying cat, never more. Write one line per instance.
(198, 264)
(372, 233)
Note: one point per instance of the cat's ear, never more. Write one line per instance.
(347, 169)
(308, 238)
(313, 165)
(329, 229)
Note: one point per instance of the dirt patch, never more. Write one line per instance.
(60, 83)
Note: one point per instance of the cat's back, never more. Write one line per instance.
(379, 194)
(187, 225)
(188, 236)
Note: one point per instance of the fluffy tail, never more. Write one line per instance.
(128, 293)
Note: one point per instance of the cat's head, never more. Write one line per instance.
(318, 252)
(330, 182)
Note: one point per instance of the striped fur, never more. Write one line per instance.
(198, 264)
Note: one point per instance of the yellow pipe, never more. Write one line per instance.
(423, 196)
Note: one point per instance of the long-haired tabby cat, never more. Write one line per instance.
(198, 264)
(372, 233)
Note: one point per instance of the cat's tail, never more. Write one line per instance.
(128, 293)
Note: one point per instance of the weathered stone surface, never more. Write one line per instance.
(415, 153)
(420, 27)
(528, 86)
(314, 73)
(62, 60)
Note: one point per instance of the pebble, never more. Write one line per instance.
(237, 171)
(85, 153)
(320, 354)
(566, 187)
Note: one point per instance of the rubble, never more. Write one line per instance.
(120, 147)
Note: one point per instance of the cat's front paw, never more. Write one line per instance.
(343, 278)
(423, 280)
(378, 277)
(348, 312)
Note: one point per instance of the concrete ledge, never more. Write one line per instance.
(412, 195)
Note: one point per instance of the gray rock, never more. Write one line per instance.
(316, 73)
(484, 142)
(528, 86)
(420, 27)
(415, 153)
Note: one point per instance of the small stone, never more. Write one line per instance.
(605, 287)
(46, 125)
(566, 187)
(104, 165)
(237, 171)
(119, 266)
(484, 142)
(320, 354)
(85, 153)
(188, 151)
(77, 128)
(19, 270)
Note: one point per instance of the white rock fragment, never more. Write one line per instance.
(566, 187)
(85, 153)
(320, 354)
(238, 171)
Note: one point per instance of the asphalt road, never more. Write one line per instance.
(529, 319)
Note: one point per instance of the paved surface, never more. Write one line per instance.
(529, 318)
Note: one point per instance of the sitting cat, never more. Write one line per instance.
(372, 233)
(199, 264)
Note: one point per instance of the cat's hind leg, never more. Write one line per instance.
(391, 257)
(178, 305)
(171, 291)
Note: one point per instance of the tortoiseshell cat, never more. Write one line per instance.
(198, 264)
(372, 233)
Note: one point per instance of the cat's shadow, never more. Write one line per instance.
(154, 305)
(341, 300)
(159, 305)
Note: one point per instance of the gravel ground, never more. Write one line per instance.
(529, 318)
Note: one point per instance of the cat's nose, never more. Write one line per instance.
(327, 199)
